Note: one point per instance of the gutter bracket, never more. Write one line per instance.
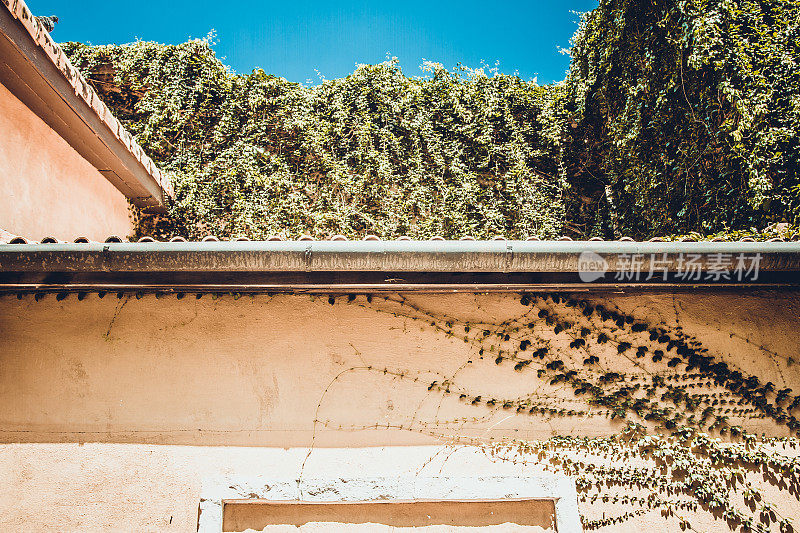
(509, 258)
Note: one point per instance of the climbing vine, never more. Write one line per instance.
(682, 446)
(453, 153)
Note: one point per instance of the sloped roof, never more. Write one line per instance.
(36, 70)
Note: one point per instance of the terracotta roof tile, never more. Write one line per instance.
(6, 236)
(10, 238)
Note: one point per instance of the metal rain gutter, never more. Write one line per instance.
(372, 266)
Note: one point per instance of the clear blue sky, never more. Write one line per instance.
(293, 38)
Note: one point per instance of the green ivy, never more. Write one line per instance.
(689, 113)
(374, 153)
(675, 117)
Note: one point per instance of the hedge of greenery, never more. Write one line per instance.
(690, 112)
(674, 117)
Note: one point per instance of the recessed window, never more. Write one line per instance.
(516, 515)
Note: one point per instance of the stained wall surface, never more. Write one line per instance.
(47, 188)
(113, 410)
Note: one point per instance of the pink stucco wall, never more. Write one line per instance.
(46, 187)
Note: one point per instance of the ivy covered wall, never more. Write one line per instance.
(675, 116)
(671, 411)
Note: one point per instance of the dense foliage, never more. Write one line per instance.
(690, 112)
(375, 152)
(676, 116)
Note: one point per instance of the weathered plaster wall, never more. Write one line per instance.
(259, 371)
(166, 393)
(132, 487)
(47, 188)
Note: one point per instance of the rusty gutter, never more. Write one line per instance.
(374, 266)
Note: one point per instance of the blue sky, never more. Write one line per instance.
(295, 38)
